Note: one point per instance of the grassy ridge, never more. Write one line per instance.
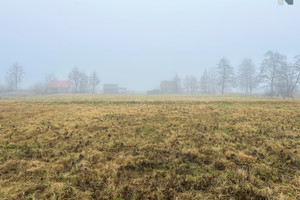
(149, 147)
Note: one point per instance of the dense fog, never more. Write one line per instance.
(137, 46)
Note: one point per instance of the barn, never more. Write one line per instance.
(113, 89)
(58, 86)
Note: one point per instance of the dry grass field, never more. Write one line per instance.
(149, 147)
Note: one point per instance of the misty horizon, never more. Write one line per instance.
(136, 45)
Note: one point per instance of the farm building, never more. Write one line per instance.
(154, 91)
(168, 87)
(58, 86)
(113, 89)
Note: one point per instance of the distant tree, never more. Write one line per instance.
(74, 80)
(38, 88)
(187, 84)
(204, 82)
(190, 84)
(48, 79)
(83, 82)
(212, 80)
(193, 84)
(247, 76)
(296, 74)
(226, 77)
(94, 82)
(42, 87)
(270, 70)
(46, 83)
(14, 76)
(2, 88)
(177, 81)
(288, 78)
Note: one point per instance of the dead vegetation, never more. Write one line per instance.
(178, 149)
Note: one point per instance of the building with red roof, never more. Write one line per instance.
(58, 86)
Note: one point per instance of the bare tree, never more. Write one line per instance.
(288, 78)
(212, 80)
(48, 79)
(177, 81)
(83, 82)
(208, 80)
(74, 80)
(2, 88)
(94, 82)
(190, 84)
(204, 82)
(247, 76)
(296, 74)
(187, 84)
(193, 84)
(14, 76)
(38, 88)
(269, 71)
(226, 78)
(42, 87)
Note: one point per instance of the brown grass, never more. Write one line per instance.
(155, 148)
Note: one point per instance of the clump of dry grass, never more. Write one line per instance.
(165, 149)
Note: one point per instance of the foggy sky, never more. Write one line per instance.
(137, 43)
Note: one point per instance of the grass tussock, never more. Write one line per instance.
(150, 149)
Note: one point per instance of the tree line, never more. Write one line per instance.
(276, 76)
(78, 81)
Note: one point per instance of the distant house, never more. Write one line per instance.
(113, 89)
(168, 87)
(58, 86)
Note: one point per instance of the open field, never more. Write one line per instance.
(149, 147)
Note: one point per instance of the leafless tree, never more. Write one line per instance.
(42, 87)
(212, 80)
(14, 76)
(288, 78)
(193, 84)
(204, 82)
(37, 88)
(208, 80)
(247, 76)
(94, 82)
(48, 79)
(296, 74)
(177, 81)
(226, 77)
(187, 84)
(270, 70)
(83, 82)
(2, 88)
(190, 84)
(74, 80)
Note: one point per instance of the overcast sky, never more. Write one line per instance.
(137, 43)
